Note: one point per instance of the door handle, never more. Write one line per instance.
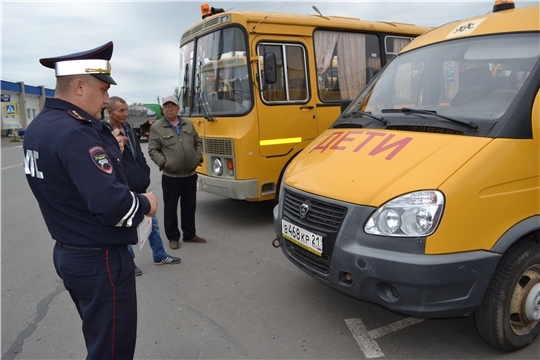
(306, 107)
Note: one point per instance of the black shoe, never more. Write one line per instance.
(138, 272)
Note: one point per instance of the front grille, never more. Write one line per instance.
(320, 214)
(223, 147)
(322, 218)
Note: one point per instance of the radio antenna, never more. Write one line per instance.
(318, 12)
(253, 30)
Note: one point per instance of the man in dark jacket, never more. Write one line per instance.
(137, 174)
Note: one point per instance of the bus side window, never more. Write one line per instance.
(394, 44)
(291, 73)
(345, 62)
(296, 73)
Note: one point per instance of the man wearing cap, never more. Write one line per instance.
(176, 148)
(72, 164)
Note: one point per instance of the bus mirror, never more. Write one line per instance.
(345, 104)
(270, 68)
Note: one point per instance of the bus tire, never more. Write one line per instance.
(509, 315)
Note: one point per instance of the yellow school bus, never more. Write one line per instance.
(424, 195)
(259, 87)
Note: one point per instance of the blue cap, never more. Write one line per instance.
(94, 62)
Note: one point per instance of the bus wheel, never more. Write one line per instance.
(509, 316)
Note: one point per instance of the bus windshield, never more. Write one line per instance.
(475, 79)
(222, 80)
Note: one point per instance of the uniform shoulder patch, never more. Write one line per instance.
(101, 159)
(78, 116)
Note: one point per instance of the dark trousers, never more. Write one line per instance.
(184, 189)
(102, 286)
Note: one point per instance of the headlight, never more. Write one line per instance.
(218, 166)
(410, 215)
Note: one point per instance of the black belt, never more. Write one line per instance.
(62, 245)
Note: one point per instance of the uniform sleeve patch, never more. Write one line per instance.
(101, 159)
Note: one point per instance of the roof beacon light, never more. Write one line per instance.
(206, 10)
(503, 5)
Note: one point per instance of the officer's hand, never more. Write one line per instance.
(153, 203)
(165, 165)
(121, 139)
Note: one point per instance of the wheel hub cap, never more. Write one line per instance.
(525, 302)
(532, 304)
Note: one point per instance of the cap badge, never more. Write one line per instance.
(99, 70)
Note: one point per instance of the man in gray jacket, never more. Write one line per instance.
(175, 146)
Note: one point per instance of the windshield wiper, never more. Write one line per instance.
(367, 113)
(432, 112)
(204, 97)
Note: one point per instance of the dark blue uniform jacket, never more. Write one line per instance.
(72, 164)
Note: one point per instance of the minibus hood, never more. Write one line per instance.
(370, 167)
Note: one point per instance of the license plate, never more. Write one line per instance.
(304, 238)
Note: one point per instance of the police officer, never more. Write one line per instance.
(72, 164)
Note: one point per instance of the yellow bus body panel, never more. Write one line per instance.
(370, 167)
(492, 192)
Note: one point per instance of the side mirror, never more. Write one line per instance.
(270, 72)
(345, 104)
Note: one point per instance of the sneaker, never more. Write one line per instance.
(196, 239)
(174, 244)
(169, 260)
(138, 272)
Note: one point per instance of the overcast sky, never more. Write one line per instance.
(146, 35)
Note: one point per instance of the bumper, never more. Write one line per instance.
(233, 189)
(394, 273)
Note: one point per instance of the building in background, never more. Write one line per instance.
(20, 104)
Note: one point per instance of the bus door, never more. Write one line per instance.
(286, 112)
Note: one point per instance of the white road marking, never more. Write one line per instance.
(12, 166)
(366, 339)
(369, 347)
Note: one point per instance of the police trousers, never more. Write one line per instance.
(101, 283)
